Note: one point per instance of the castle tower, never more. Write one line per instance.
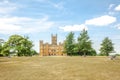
(54, 39)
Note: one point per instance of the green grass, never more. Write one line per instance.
(59, 68)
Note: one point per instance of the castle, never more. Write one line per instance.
(52, 49)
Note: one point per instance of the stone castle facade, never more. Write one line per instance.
(52, 49)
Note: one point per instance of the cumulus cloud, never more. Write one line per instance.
(117, 8)
(101, 21)
(69, 28)
(11, 25)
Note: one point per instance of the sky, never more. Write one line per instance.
(38, 19)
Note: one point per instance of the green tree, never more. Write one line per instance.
(69, 44)
(1, 46)
(106, 46)
(84, 44)
(19, 45)
(92, 52)
(33, 52)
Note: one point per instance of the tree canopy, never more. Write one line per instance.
(69, 44)
(106, 46)
(84, 44)
(1, 46)
(16, 44)
(82, 47)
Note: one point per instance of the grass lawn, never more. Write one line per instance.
(59, 68)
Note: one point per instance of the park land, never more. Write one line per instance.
(59, 68)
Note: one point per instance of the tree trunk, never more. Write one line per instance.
(79, 52)
(84, 54)
(107, 54)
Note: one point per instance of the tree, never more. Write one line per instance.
(69, 44)
(19, 45)
(1, 46)
(84, 44)
(91, 52)
(25, 48)
(33, 52)
(106, 46)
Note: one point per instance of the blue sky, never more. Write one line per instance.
(38, 19)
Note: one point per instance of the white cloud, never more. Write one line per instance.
(68, 28)
(58, 5)
(111, 6)
(101, 21)
(111, 9)
(7, 7)
(111, 12)
(117, 8)
(5, 10)
(117, 26)
(12, 24)
(22, 25)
